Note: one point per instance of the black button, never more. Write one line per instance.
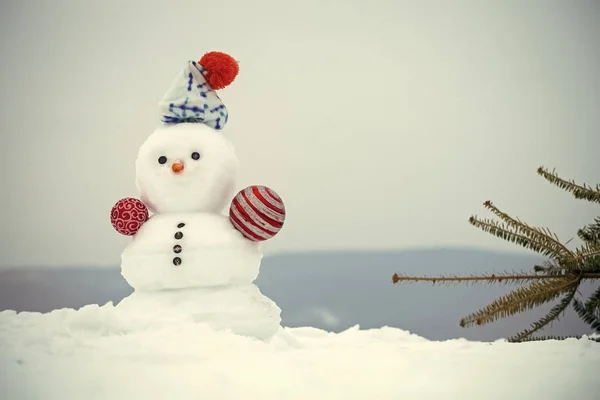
(178, 235)
(181, 225)
(177, 261)
(177, 249)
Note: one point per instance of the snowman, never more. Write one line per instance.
(190, 260)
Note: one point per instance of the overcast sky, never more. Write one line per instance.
(382, 124)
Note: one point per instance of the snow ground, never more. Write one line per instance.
(97, 353)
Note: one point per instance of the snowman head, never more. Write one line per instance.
(186, 167)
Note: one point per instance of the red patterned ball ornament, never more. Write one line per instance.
(128, 215)
(257, 212)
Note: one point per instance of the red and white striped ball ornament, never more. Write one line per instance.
(128, 215)
(257, 212)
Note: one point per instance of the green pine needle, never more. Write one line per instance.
(519, 300)
(552, 316)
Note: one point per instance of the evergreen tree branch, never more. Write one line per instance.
(560, 276)
(590, 233)
(511, 278)
(579, 191)
(553, 315)
(588, 316)
(587, 276)
(521, 299)
(549, 267)
(591, 266)
(539, 244)
(590, 311)
(586, 258)
(593, 301)
(493, 278)
(540, 235)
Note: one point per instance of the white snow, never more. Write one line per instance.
(101, 353)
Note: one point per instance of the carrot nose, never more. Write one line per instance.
(177, 167)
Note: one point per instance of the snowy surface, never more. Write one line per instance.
(100, 353)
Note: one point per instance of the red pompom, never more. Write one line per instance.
(221, 69)
(257, 212)
(128, 215)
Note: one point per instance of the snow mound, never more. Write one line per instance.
(101, 352)
(241, 309)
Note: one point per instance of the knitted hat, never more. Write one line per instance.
(192, 96)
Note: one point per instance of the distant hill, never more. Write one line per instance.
(332, 291)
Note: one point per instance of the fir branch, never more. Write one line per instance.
(519, 300)
(560, 276)
(590, 311)
(579, 191)
(593, 301)
(553, 315)
(587, 276)
(586, 258)
(591, 232)
(588, 316)
(549, 267)
(493, 278)
(539, 245)
(591, 266)
(540, 235)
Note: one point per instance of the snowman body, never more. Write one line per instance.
(188, 260)
(188, 250)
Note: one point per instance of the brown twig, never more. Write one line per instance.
(491, 278)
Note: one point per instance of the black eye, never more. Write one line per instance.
(162, 159)
(196, 155)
